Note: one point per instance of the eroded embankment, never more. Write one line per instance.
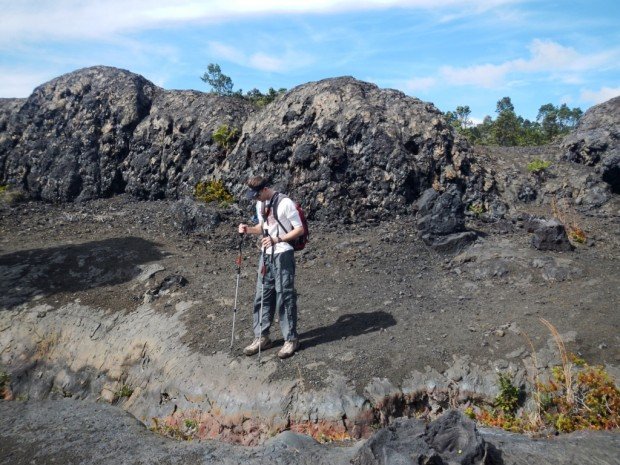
(138, 361)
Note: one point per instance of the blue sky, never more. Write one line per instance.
(448, 52)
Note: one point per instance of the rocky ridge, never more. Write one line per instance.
(347, 149)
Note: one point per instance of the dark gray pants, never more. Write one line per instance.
(278, 293)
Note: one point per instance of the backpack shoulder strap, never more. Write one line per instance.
(274, 207)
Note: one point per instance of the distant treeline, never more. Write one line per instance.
(508, 129)
(222, 84)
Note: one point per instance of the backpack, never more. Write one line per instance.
(300, 242)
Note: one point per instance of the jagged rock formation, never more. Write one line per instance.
(346, 148)
(451, 439)
(596, 141)
(351, 150)
(70, 135)
(172, 149)
(101, 131)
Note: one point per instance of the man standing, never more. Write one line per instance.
(277, 291)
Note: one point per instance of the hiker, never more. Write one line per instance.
(276, 288)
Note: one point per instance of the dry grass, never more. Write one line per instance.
(567, 366)
(575, 397)
(565, 213)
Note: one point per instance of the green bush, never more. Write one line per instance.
(508, 398)
(4, 380)
(9, 195)
(225, 136)
(212, 191)
(124, 391)
(537, 166)
(476, 208)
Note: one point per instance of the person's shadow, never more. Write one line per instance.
(352, 324)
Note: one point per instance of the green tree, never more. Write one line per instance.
(506, 129)
(555, 121)
(258, 98)
(462, 115)
(223, 85)
(509, 129)
(219, 82)
(505, 104)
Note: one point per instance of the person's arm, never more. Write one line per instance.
(245, 229)
(290, 211)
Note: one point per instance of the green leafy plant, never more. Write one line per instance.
(10, 195)
(476, 208)
(5, 379)
(576, 396)
(190, 423)
(225, 136)
(538, 166)
(508, 398)
(124, 391)
(212, 191)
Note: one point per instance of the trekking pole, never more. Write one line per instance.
(239, 259)
(262, 294)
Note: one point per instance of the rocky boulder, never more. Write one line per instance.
(73, 131)
(350, 151)
(101, 131)
(596, 141)
(548, 234)
(441, 219)
(173, 149)
(450, 440)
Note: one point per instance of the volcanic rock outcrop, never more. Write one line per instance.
(345, 148)
(173, 148)
(596, 141)
(101, 131)
(351, 150)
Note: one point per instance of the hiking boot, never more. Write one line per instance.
(289, 348)
(252, 349)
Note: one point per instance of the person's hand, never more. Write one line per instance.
(268, 241)
(243, 228)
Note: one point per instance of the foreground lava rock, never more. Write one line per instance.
(451, 439)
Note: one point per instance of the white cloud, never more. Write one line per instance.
(28, 20)
(601, 95)
(20, 84)
(563, 63)
(420, 84)
(262, 61)
(226, 52)
(481, 75)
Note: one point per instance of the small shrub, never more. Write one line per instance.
(124, 391)
(5, 386)
(469, 412)
(508, 398)
(592, 402)
(565, 213)
(212, 191)
(10, 195)
(476, 208)
(225, 136)
(537, 166)
(576, 234)
(190, 423)
(577, 396)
